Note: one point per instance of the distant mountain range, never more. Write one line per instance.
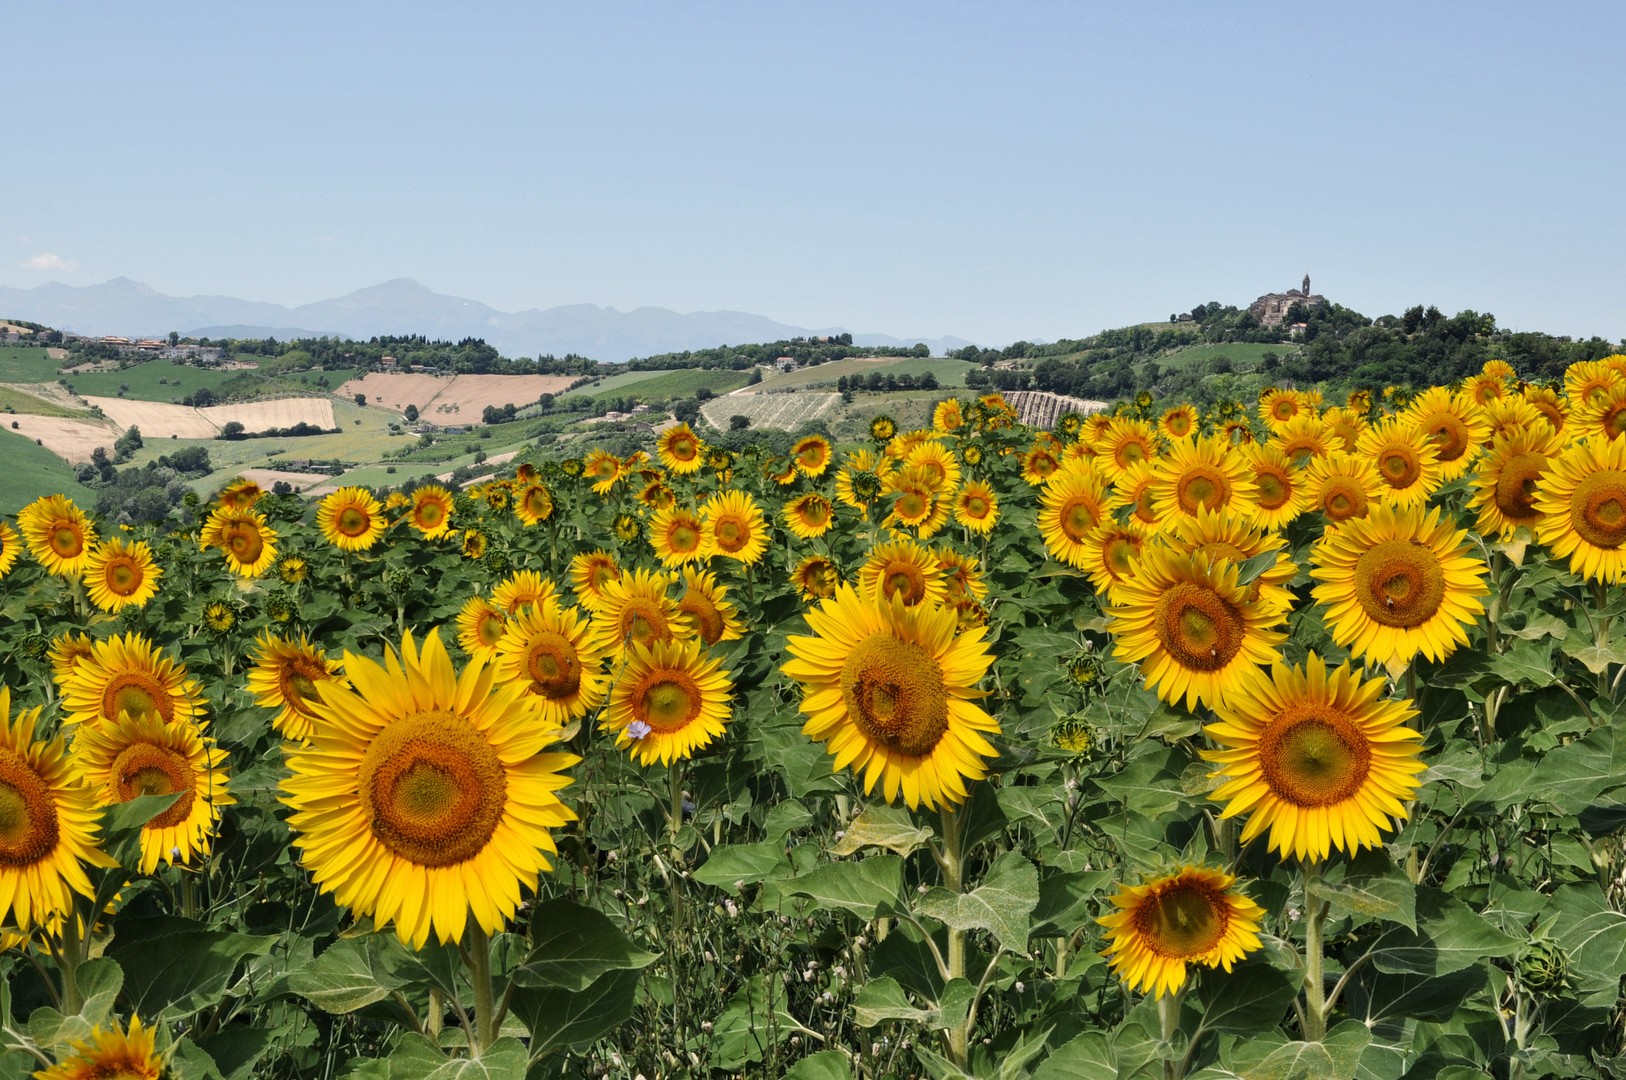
(403, 306)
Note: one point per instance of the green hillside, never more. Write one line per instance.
(949, 373)
(24, 364)
(32, 471)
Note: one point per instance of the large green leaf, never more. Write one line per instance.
(1251, 998)
(1001, 904)
(732, 865)
(347, 976)
(1371, 887)
(824, 1065)
(867, 888)
(558, 1018)
(176, 967)
(1593, 934)
(1449, 937)
(754, 1020)
(1085, 1057)
(1387, 999)
(1572, 777)
(1337, 1057)
(883, 999)
(1151, 784)
(572, 946)
(882, 826)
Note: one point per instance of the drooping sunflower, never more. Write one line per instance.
(891, 692)
(113, 1054)
(882, 428)
(1280, 492)
(425, 796)
(1192, 916)
(474, 544)
(1506, 478)
(1346, 427)
(809, 516)
(668, 701)
(1039, 464)
(431, 512)
(638, 609)
(627, 527)
(240, 494)
(1191, 626)
(1343, 486)
(10, 549)
(1582, 500)
(480, 625)
(1396, 583)
(1321, 758)
(1179, 422)
(1132, 491)
(1544, 399)
(1125, 443)
(50, 824)
(681, 450)
(1453, 424)
(781, 471)
(706, 604)
(293, 569)
(948, 416)
(657, 495)
(816, 578)
(916, 503)
(1110, 553)
(736, 525)
(284, 678)
(1407, 461)
(59, 535)
(962, 577)
(902, 569)
(590, 572)
(1072, 504)
(249, 544)
(520, 590)
(549, 649)
(976, 506)
(141, 755)
(120, 575)
(602, 469)
(68, 651)
(350, 519)
(812, 455)
(127, 673)
(1201, 474)
(220, 616)
(679, 536)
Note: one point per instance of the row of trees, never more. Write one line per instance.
(886, 382)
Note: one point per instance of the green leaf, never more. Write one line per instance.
(882, 826)
(1151, 784)
(1013, 1062)
(100, 981)
(1449, 937)
(572, 946)
(754, 1019)
(1572, 777)
(1066, 901)
(1373, 888)
(1085, 1057)
(1252, 998)
(505, 1059)
(866, 888)
(346, 977)
(1580, 920)
(1337, 1057)
(1001, 904)
(732, 865)
(122, 824)
(883, 999)
(235, 1050)
(1594, 655)
(1526, 663)
(1379, 998)
(1252, 567)
(824, 1065)
(558, 1018)
(176, 966)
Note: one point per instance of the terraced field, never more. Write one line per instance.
(786, 412)
(949, 373)
(669, 384)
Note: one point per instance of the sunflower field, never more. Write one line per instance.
(1273, 741)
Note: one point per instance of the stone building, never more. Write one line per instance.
(1271, 308)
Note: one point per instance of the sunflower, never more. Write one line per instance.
(126, 673)
(781, 472)
(809, 516)
(480, 626)
(249, 544)
(858, 482)
(657, 496)
(1201, 474)
(890, 692)
(948, 416)
(474, 544)
(1178, 423)
(58, 533)
(1303, 438)
(679, 536)
(812, 455)
(1039, 464)
(1280, 492)
(50, 824)
(637, 608)
(1224, 538)
(706, 604)
(905, 570)
(114, 1054)
(119, 575)
(916, 503)
(971, 453)
(425, 795)
(1191, 626)
(883, 428)
(1452, 423)
(627, 527)
(816, 578)
(602, 469)
(1345, 426)
(1544, 399)
(520, 590)
(9, 549)
(1582, 500)
(976, 506)
(1398, 582)
(590, 572)
(397, 501)
(1126, 443)
(1132, 491)
(571, 466)
(1192, 916)
(1342, 486)
(1406, 458)
(284, 677)
(681, 450)
(431, 512)
(1278, 408)
(549, 650)
(668, 700)
(736, 526)
(241, 494)
(1319, 757)
(1072, 504)
(1602, 413)
(293, 569)
(68, 651)
(1507, 477)
(141, 755)
(720, 461)
(1584, 378)
(1111, 552)
(1484, 388)
(936, 463)
(961, 576)
(220, 616)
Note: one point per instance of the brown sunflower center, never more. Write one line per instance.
(976, 507)
(1119, 555)
(684, 448)
(1183, 920)
(1399, 583)
(67, 540)
(352, 521)
(299, 677)
(1179, 425)
(554, 667)
(28, 822)
(1198, 627)
(1078, 516)
(895, 694)
(1399, 466)
(733, 533)
(433, 788)
(1342, 499)
(707, 619)
(1274, 489)
(643, 622)
(814, 512)
(667, 700)
(1449, 435)
(911, 506)
(684, 537)
(903, 579)
(1312, 756)
(138, 694)
(145, 769)
(244, 541)
(1129, 453)
(1042, 465)
(489, 629)
(430, 514)
(123, 576)
(1202, 487)
(1598, 508)
(1516, 487)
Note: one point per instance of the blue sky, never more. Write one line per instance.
(993, 171)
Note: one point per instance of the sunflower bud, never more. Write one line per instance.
(1544, 968)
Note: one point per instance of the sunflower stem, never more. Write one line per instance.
(1168, 1015)
(69, 958)
(1315, 990)
(485, 1016)
(953, 861)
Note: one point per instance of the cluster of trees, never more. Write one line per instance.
(142, 494)
(234, 430)
(886, 382)
(806, 352)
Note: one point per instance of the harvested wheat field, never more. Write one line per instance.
(275, 413)
(452, 399)
(158, 418)
(301, 481)
(70, 440)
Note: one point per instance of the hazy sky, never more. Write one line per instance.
(992, 170)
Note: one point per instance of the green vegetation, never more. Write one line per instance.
(826, 376)
(13, 400)
(32, 471)
(668, 385)
(26, 364)
(612, 383)
(142, 381)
